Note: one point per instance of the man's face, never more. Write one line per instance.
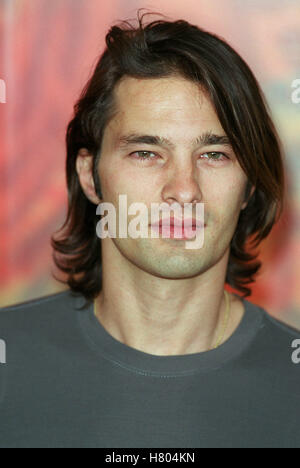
(188, 172)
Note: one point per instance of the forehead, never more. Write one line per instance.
(173, 100)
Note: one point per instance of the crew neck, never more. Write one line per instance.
(134, 360)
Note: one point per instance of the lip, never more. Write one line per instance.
(188, 222)
(177, 229)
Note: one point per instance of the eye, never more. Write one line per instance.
(214, 155)
(143, 155)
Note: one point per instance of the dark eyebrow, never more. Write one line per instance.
(206, 139)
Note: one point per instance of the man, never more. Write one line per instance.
(145, 349)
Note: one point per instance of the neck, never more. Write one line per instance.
(163, 316)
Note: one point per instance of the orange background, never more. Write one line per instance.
(48, 49)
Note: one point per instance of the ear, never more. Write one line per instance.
(253, 187)
(84, 168)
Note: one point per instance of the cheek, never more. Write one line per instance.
(224, 202)
(118, 181)
(225, 191)
(230, 199)
(110, 175)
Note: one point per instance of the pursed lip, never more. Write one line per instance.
(188, 222)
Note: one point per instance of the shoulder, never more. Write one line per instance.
(275, 349)
(278, 326)
(39, 330)
(285, 337)
(268, 322)
(39, 312)
(36, 304)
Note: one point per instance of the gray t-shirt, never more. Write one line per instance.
(67, 383)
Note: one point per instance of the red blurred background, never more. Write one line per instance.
(48, 50)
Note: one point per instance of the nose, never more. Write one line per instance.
(182, 185)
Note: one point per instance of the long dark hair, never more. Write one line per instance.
(163, 48)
